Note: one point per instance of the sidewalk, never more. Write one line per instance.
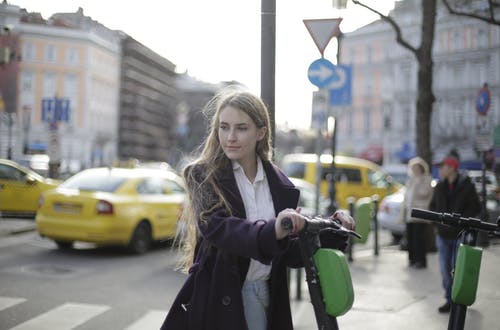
(390, 295)
(13, 226)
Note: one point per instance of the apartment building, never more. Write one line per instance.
(382, 115)
(67, 93)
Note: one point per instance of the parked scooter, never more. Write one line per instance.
(327, 273)
(468, 261)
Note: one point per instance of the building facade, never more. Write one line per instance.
(67, 91)
(382, 115)
(148, 104)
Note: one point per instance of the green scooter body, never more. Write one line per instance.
(466, 275)
(335, 279)
(363, 213)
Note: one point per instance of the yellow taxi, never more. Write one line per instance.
(130, 207)
(354, 177)
(20, 189)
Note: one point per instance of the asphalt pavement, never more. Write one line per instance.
(388, 293)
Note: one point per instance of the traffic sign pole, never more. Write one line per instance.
(322, 73)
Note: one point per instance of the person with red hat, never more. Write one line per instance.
(454, 193)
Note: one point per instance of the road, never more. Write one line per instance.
(88, 287)
(43, 288)
(85, 288)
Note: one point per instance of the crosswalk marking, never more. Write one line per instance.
(6, 302)
(64, 317)
(152, 320)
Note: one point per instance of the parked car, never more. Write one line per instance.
(20, 189)
(307, 200)
(38, 163)
(355, 177)
(389, 214)
(130, 207)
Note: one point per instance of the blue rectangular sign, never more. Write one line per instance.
(54, 109)
(342, 95)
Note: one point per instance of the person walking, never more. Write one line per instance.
(454, 193)
(418, 194)
(234, 249)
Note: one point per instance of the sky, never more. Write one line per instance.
(219, 40)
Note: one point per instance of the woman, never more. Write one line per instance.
(417, 195)
(236, 252)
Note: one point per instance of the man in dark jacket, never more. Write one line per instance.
(454, 193)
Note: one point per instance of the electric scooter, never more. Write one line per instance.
(327, 273)
(468, 261)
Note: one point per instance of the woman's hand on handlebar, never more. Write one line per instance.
(344, 219)
(298, 221)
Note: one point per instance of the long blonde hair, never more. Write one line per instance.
(204, 193)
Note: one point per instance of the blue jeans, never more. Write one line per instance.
(447, 249)
(255, 303)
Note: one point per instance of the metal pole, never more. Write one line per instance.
(350, 241)
(375, 221)
(332, 190)
(10, 122)
(268, 55)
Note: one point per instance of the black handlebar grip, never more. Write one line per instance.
(427, 215)
(287, 224)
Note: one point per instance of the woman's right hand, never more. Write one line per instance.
(298, 222)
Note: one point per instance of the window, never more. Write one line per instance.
(405, 119)
(50, 53)
(367, 121)
(377, 179)
(173, 187)
(350, 123)
(94, 182)
(481, 39)
(27, 81)
(11, 173)
(343, 175)
(28, 51)
(369, 54)
(72, 56)
(295, 170)
(151, 186)
(49, 84)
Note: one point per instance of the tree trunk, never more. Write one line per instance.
(425, 97)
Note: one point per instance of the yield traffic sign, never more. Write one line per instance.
(322, 31)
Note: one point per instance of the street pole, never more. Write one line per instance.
(268, 55)
(332, 189)
(10, 122)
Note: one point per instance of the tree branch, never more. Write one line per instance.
(395, 26)
(488, 18)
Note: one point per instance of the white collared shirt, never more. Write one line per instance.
(258, 205)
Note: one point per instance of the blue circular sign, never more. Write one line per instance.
(321, 73)
(483, 100)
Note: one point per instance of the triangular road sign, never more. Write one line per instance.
(323, 30)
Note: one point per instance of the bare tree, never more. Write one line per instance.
(486, 12)
(423, 54)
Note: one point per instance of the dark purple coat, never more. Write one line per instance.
(211, 296)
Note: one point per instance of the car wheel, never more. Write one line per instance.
(64, 245)
(141, 238)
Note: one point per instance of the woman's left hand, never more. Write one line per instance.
(345, 219)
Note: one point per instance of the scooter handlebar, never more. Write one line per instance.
(315, 225)
(454, 220)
